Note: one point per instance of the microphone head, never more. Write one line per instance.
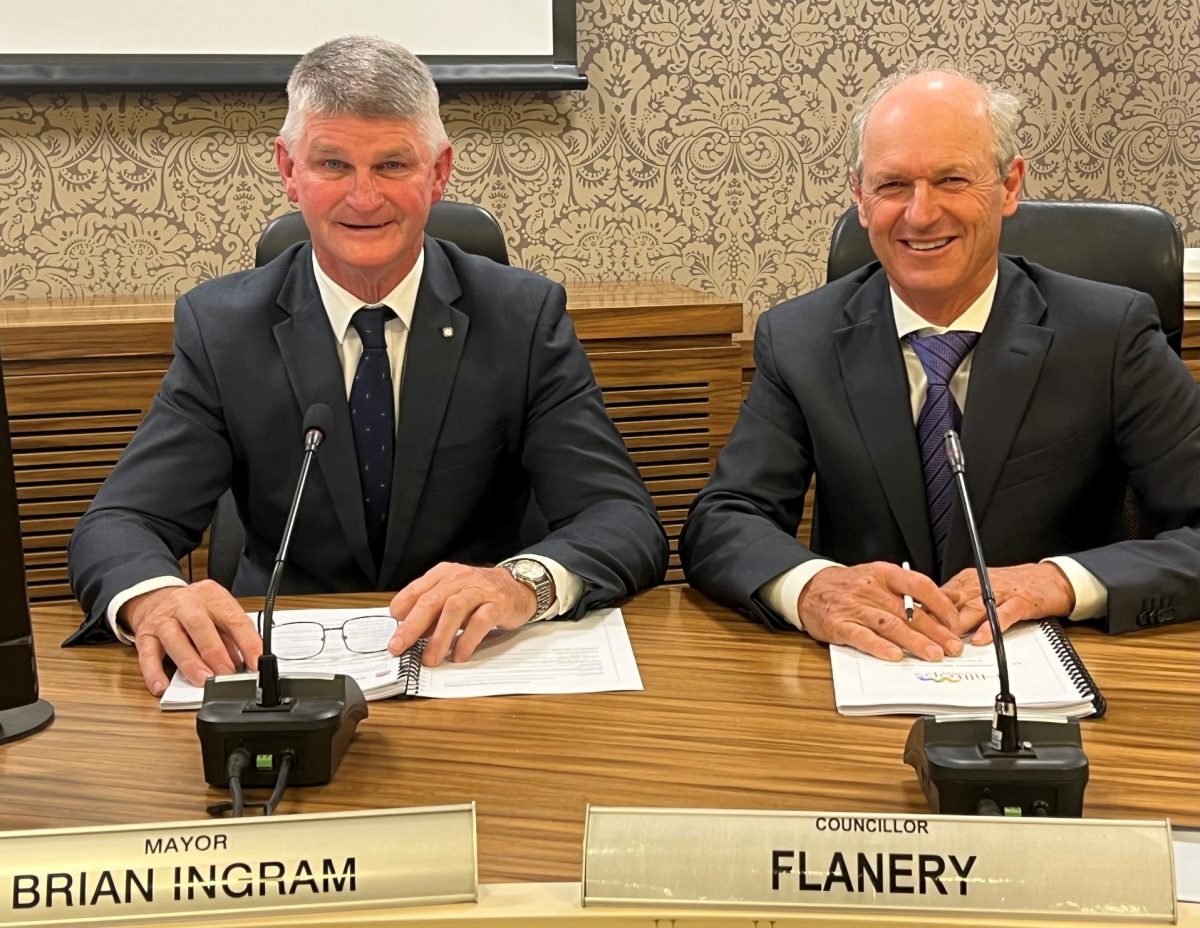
(954, 452)
(319, 417)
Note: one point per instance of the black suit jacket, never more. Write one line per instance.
(1074, 393)
(498, 403)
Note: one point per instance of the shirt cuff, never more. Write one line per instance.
(1091, 596)
(120, 629)
(783, 593)
(568, 588)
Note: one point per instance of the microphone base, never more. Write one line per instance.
(314, 723)
(25, 720)
(961, 774)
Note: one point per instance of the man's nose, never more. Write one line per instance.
(923, 208)
(364, 194)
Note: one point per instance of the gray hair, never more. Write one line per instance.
(364, 76)
(1003, 106)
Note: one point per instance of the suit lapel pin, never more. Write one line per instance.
(447, 331)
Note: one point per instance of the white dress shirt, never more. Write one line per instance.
(340, 305)
(783, 592)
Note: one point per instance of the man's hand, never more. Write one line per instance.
(200, 627)
(1027, 591)
(863, 607)
(450, 597)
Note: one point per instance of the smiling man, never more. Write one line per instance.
(1065, 392)
(469, 463)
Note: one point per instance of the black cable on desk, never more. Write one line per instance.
(280, 784)
(238, 761)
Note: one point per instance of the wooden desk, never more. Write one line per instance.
(81, 375)
(733, 716)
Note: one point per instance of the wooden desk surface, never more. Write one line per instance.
(733, 716)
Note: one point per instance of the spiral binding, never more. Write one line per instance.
(410, 668)
(1074, 666)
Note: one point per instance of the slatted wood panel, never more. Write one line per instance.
(674, 409)
(68, 431)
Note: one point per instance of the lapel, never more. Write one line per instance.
(1004, 371)
(430, 365)
(310, 358)
(876, 384)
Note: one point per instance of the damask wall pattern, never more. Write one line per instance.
(709, 149)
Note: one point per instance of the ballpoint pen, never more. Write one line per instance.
(908, 600)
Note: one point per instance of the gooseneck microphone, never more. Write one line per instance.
(316, 425)
(1005, 735)
(968, 767)
(269, 730)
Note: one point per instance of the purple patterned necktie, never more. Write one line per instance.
(941, 356)
(374, 422)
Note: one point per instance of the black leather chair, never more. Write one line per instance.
(1128, 244)
(1115, 243)
(470, 227)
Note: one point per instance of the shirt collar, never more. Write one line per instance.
(341, 304)
(973, 320)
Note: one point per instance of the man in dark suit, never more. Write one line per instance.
(458, 392)
(1065, 391)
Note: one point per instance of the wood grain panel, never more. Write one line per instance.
(732, 716)
(68, 429)
(674, 409)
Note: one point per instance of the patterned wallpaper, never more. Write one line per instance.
(709, 149)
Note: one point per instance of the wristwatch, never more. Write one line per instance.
(535, 576)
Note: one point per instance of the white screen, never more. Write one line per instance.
(275, 27)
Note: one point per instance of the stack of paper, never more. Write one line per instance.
(1044, 674)
(592, 655)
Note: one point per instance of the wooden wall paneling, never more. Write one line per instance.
(674, 409)
(67, 431)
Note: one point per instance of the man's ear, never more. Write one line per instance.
(1012, 186)
(287, 169)
(856, 189)
(442, 167)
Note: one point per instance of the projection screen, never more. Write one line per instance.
(254, 43)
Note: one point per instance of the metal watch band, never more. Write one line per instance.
(534, 575)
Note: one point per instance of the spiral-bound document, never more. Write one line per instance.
(591, 655)
(1045, 674)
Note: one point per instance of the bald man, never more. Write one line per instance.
(1065, 392)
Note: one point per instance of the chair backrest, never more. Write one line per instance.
(1129, 244)
(472, 228)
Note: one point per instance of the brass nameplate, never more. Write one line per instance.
(953, 865)
(293, 863)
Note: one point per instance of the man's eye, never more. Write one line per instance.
(392, 165)
(334, 164)
(955, 182)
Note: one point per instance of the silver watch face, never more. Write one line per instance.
(533, 571)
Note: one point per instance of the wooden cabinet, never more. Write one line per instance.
(80, 377)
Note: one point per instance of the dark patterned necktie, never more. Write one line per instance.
(374, 422)
(941, 356)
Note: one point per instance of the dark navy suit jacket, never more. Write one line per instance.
(1074, 394)
(502, 408)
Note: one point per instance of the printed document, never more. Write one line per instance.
(591, 655)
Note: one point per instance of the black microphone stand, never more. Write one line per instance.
(268, 665)
(968, 767)
(272, 731)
